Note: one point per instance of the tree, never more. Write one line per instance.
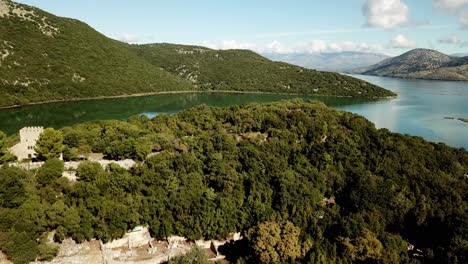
(47, 250)
(195, 256)
(49, 145)
(88, 171)
(365, 247)
(50, 171)
(12, 187)
(273, 242)
(3, 147)
(21, 248)
(5, 155)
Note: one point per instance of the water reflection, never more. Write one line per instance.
(419, 110)
(67, 113)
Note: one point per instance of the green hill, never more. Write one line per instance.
(244, 70)
(44, 57)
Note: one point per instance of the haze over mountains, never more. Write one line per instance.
(459, 54)
(45, 58)
(420, 64)
(330, 61)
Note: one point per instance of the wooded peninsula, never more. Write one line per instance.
(302, 182)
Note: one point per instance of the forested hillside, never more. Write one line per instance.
(303, 183)
(244, 70)
(44, 57)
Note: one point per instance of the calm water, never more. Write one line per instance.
(419, 110)
(68, 113)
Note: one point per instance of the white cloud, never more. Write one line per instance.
(314, 46)
(129, 38)
(232, 44)
(449, 40)
(455, 7)
(454, 40)
(450, 5)
(464, 19)
(386, 14)
(402, 42)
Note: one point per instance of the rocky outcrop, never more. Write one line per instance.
(136, 247)
(4, 259)
(72, 253)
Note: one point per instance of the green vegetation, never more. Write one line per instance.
(50, 172)
(49, 145)
(304, 183)
(5, 155)
(44, 57)
(74, 62)
(244, 70)
(275, 243)
(196, 256)
(3, 146)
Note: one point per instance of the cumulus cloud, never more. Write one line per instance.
(314, 46)
(233, 44)
(402, 42)
(129, 38)
(454, 7)
(386, 14)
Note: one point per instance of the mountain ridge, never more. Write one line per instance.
(420, 64)
(245, 70)
(44, 57)
(330, 61)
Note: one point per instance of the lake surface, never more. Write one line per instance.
(419, 110)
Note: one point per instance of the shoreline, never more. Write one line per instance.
(178, 92)
(465, 120)
(408, 78)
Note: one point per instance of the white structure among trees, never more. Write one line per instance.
(28, 137)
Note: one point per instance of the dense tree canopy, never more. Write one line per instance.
(3, 146)
(274, 243)
(313, 185)
(5, 154)
(49, 145)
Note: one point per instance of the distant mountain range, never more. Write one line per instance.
(459, 54)
(420, 64)
(337, 61)
(48, 58)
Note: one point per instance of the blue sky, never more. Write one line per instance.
(386, 26)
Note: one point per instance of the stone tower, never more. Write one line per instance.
(28, 137)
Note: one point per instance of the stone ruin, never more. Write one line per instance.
(28, 137)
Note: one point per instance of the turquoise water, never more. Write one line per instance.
(419, 110)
